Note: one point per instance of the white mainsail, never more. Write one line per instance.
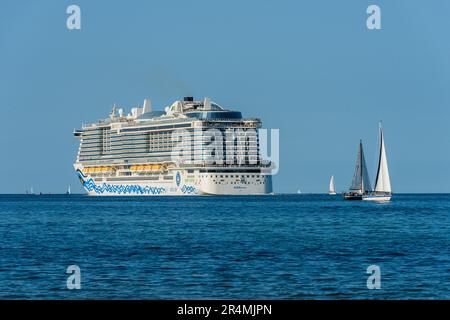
(382, 181)
(332, 190)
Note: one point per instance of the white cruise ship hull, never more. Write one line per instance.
(230, 183)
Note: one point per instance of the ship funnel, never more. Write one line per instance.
(147, 106)
(207, 104)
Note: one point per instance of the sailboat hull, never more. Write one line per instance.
(353, 196)
(377, 198)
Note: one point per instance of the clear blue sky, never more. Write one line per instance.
(310, 68)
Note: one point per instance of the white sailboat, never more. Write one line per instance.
(332, 190)
(382, 190)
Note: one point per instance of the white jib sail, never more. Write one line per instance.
(383, 183)
(332, 185)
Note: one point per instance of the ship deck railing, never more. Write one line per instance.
(131, 123)
(260, 163)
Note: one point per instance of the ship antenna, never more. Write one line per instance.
(113, 112)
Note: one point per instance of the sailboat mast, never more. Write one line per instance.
(361, 166)
(380, 152)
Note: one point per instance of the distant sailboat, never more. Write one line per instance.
(68, 191)
(383, 190)
(360, 182)
(332, 190)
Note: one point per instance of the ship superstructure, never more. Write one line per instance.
(190, 148)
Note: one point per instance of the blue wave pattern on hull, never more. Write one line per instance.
(189, 189)
(122, 189)
(129, 189)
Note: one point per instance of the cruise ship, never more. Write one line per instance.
(193, 147)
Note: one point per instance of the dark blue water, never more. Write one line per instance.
(274, 247)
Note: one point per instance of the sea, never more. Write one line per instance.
(297, 246)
